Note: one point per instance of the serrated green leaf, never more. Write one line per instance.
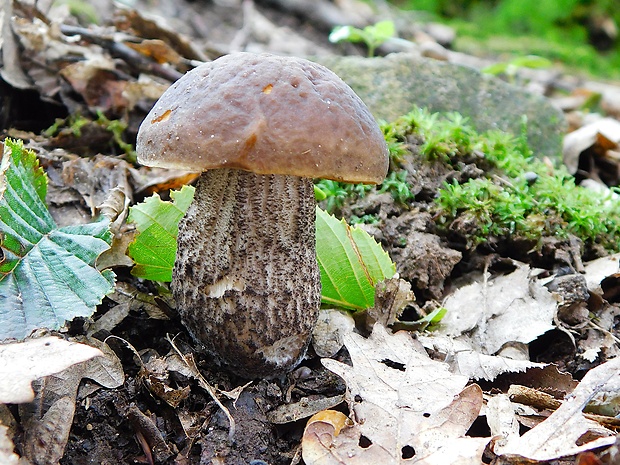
(47, 274)
(157, 222)
(351, 263)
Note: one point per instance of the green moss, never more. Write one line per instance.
(75, 123)
(517, 196)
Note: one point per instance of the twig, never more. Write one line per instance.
(206, 386)
(119, 49)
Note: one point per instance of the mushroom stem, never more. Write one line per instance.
(246, 279)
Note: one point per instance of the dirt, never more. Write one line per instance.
(110, 425)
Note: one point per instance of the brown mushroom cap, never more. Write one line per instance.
(266, 114)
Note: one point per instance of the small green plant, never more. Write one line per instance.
(512, 67)
(373, 35)
(75, 123)
(335, 193)
(396, 184)
(117, 128)
(83, 10)
(364, 219)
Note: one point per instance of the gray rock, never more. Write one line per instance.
(393, 85)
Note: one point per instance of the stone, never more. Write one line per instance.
(393, 85)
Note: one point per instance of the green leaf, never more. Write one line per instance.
(155, 246)
(495, 69)
(47, 274)
(346, 33)
(381, 31)
(351, 263)
(319, 194)
(531, 61)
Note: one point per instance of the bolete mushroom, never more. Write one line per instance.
(260, 127)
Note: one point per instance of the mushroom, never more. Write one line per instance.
(260, 127)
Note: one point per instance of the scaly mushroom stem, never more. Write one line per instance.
(246, 280)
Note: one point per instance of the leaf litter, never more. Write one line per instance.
(403, 404)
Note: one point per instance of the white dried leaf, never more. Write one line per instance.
(501, 418)
(599, 269)
(7, 456)
(328, 331)
(466, 360)
(585, 137)
(509, 308)
(402, 400)
(23, 362)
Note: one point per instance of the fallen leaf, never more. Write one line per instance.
(46, 436)
(559, 434)
(23, 362)
(328, 331)
(510, 308)
(599, 269)
(304, 408)
(156, 49)
(47, 274)
(404, 405)
(604, 132)
(391, 297)
(466, 360)
(47, 421)
(7, 456)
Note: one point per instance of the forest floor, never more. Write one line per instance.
(531, 332)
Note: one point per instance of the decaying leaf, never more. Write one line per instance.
(560, 434)
(486, 319)
(501, 418)
(404, 405)
(155, 375)
(47, 420)
(603, 134)
(304, 408)
(391, 297)
(46, 430)
(328, 331)
(23, 362)
(500, 310)
(7, 456)
(319, 435)
(107, 370)
(597, 270)
(468, 361)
